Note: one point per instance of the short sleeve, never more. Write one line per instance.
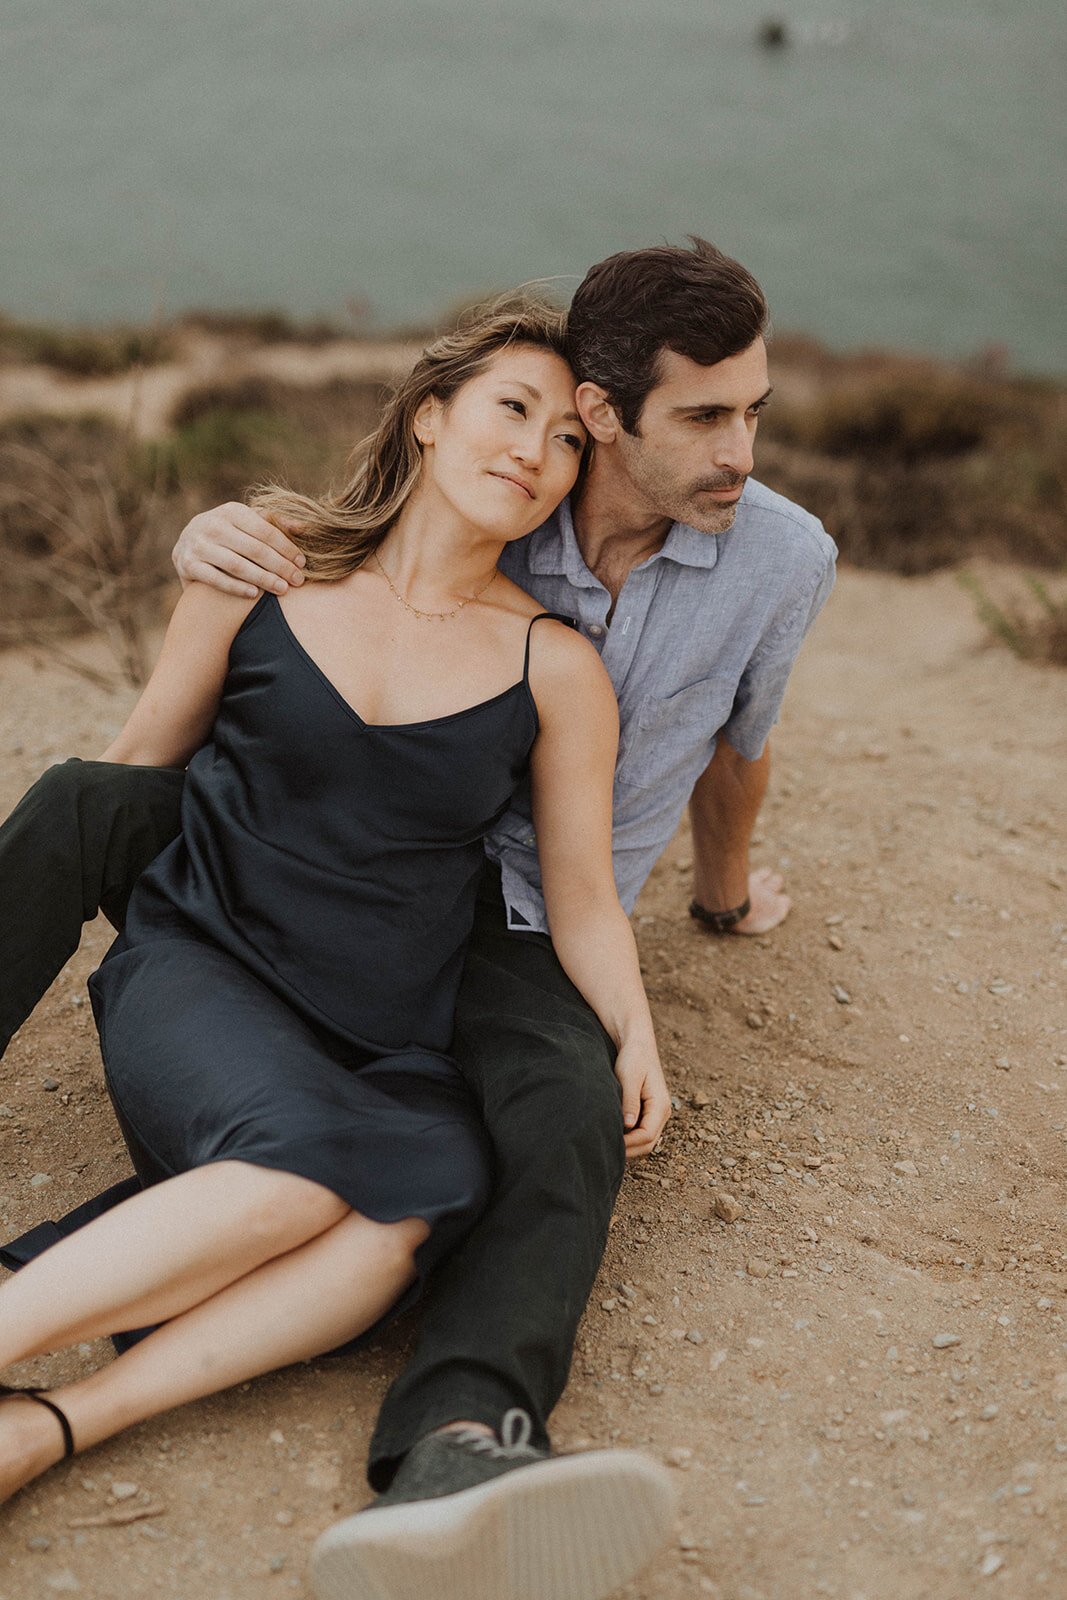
(762, 687)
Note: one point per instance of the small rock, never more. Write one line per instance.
(906, 1169)
(609, 1304)
(284, 1519)
(50, 1084)
(841, 995)
(39, 1180)
(124, 1491)
(276, 1563)
(754, 1020)
(945, 1341)
(1059, 1386)
(699, 1100)
(992, 1562)
(754, 1135)
(63, 1582)
(680, 1457)
(725, 1206)
(813, 1162)
(694, 1336)
(1003, 1064)
(835, 941)
(276, 1436)
(40, 1542)
(757, 1268)
(987, 1413)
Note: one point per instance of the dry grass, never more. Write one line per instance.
(913, 465)
(85, 531)
(1034, 628)
(83, 352)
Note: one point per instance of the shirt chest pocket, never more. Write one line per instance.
(670, 738)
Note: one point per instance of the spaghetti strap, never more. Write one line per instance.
(553, 616)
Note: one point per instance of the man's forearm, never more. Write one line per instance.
(723, 810)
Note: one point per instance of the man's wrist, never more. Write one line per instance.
(720, 921)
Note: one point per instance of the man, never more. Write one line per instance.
(697, 585)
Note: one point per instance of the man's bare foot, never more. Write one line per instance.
(770, 905)
(30, 1442)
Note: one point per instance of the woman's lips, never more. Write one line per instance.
(506, 477)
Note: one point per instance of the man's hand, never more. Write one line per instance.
(646, 1100)
(234, 549)
(770, 905)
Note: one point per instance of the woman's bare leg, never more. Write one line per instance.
(293, 1307)
(159, 1253)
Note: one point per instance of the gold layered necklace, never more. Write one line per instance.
(431, 616)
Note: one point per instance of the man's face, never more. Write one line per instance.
(693, 449)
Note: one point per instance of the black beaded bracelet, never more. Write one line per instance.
(720, 921)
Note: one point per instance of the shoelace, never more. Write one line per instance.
(516, 1431)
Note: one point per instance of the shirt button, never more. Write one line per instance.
(595, 630)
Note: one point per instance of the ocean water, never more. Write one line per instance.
(896, 176)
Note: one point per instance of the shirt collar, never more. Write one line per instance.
(554, 548)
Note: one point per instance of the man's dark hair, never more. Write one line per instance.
(631, 307)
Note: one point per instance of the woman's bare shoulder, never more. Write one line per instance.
(209, 611)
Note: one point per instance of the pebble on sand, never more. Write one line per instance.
(906, 1169)
(725, 1206)
(757, 1268)
(945, 1341)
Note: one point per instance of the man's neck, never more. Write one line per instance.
(614, 529)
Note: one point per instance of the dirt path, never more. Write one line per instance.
(862, 1382)
(146, 397)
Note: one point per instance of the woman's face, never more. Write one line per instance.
(505, 450)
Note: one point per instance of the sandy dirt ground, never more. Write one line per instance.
(861, 1382)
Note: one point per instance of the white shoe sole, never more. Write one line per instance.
(573, 1528)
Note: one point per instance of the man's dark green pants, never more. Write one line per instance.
(499, 1318)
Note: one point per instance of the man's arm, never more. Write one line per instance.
(234, 549)
(723, 810)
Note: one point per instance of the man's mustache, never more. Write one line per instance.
(727, 481)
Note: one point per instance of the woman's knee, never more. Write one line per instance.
(392, 1243)
(276, 1205)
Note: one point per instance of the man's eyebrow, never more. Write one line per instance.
(568, 416)
(713, 410)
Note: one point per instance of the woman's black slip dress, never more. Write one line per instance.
(284, 988)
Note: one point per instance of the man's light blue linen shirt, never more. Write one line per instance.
(702, 642)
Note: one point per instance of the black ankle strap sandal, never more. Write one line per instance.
(42, 1400)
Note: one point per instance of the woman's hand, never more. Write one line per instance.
(646, 1100)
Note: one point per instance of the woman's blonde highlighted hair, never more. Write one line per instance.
(340, 530)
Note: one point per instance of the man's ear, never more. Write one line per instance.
(425, 419)
(597, 412)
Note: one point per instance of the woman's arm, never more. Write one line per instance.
(572, 773)
(174, 715)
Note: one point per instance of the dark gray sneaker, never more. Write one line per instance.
(461, 1522)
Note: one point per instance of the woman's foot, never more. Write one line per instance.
(31, 1441)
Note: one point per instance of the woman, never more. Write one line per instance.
(275, 1016)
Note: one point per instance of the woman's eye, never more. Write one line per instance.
(573, 440)
(516, 405)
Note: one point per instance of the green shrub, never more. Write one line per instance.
(84, 352)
